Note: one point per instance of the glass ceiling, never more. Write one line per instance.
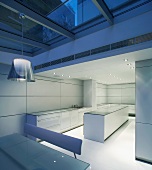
(43, 7)
(68, 14)
(117, 4)
(16, 46)
(74, 13)
(31, 29)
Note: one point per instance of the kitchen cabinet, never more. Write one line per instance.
(74, 118)
(58, 120)
(65, 121)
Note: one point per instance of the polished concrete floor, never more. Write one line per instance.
(117, 152)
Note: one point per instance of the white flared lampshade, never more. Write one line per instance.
(21, 70)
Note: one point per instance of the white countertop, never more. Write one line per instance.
(58, 111)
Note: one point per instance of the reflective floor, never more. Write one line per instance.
(117, 153)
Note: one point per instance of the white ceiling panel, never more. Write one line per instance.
(111, 70)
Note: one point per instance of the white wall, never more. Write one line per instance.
(51, 94)
(115, 93)
(144, 110)
(44, 94)
(121, 93)
(12, 103)
(101, 93)
(89, 93)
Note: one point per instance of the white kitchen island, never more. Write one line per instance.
(100, 124)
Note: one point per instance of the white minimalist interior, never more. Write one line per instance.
(91, 79)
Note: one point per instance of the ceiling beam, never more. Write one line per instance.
(104, 10)
(9, 29)
(26, 41)
(14, 51)
(39, 19)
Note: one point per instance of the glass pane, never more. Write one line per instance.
(122, 5)
(43, 7)
(35, 49)
(10, 22)
(113, 4)
(7, 43)
(67, 13)
(74, 13)
(38, 32)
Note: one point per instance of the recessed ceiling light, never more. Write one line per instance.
(110, 74)
(132, 67)
(129, 64)
(62, 75)
(69, 76)
(125, 59)
(53, 73)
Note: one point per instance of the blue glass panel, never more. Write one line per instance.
(10, 22)
(121, 6)
(7, 43)
(42, 7)
(74, 13)
(113, 4)
(38, 32)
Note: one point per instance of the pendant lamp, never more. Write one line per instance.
(21, 69)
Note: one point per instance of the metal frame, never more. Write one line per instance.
(17, 38)
(15, 51)
(62, 40)
(104, 10)
(16, 7)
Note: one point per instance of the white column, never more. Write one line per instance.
(144, 111)
(90, 94)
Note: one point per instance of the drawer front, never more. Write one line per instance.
(74, 118)
(55, 128)
(48, 122)
(48, 116)
(65, 121)
(81, 114)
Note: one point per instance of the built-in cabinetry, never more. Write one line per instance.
(58, 120)
(100, 124)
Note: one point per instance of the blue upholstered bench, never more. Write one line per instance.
(66, 142)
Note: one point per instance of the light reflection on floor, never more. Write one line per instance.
(117, 153)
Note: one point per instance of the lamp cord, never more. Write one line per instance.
(22, 16)
(22, 33)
